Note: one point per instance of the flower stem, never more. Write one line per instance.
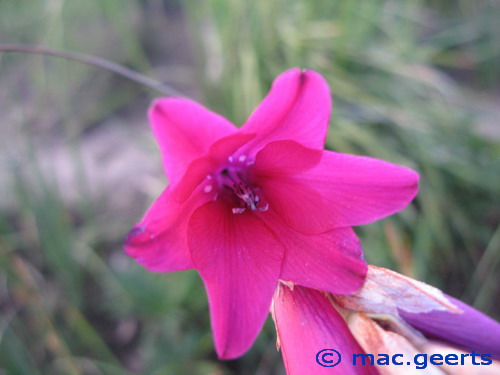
(121, 70)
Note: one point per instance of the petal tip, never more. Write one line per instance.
(226, 354)
(134, 235)
(137, 237)
(159, 106)
(155, 106)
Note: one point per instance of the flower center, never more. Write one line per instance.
(233, 183)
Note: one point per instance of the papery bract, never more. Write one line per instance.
(247, 207)
(386, 292)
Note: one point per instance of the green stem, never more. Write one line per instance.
(121, 70)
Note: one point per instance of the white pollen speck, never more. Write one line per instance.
(208, 188)
(231, 159)
(242, 158)
(238, 210)
(209, 177)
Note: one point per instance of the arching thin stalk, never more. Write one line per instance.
(121, 70)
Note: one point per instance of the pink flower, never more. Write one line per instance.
(391, 314)
(247, 207)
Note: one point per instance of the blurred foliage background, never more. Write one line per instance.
(414, 82)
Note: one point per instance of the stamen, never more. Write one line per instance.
(263, 209)
(233, 181)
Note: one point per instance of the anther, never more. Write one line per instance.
(263, 209)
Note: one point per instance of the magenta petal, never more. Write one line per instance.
(159, 241)
(341, 190)
(330, 261)
(307, 323)
(297, 108)
(471, 330)
(239, 259)
(184, 131)
(285, 157)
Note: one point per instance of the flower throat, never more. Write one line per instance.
(232, 183)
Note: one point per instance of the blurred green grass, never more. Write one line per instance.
(414, 82)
